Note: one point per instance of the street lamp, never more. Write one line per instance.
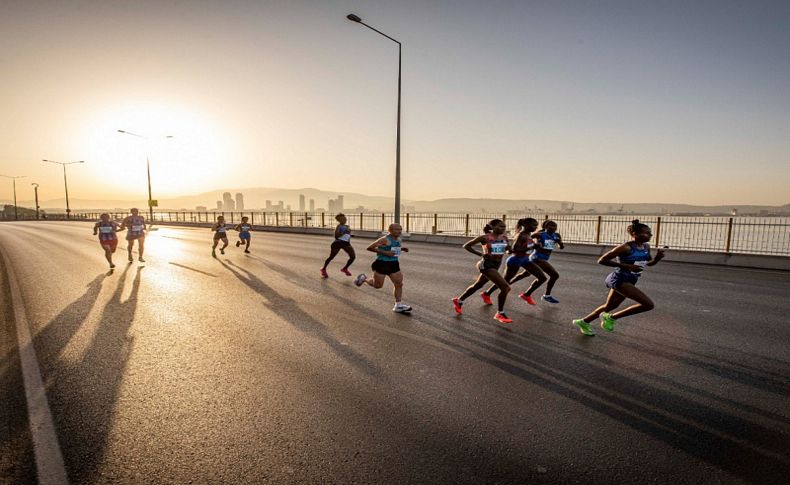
(148, 170)
(358, 20)
(35, 189)
(65, 182)
(16, 216)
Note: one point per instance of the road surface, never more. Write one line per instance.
(252, 369)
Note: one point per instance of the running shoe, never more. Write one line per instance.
(607, 322)
(401, 308)
(549, 299)
(345, 271)
(502, 318)
(246, 250)
(486, 298)
(584, 327)
(458, 305)
(361, 277)
(222, 250)
(527, 298)
(213, 254)
(238, 243)
(141, 260)
(112, 266)
(131, 259)
(323, 273)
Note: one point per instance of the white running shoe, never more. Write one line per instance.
(401, 308)
(361, 277)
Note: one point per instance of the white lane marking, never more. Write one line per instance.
(49, 459)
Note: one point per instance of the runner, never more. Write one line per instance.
(388, 249)
(106, 230)
(220, 233)
(632, 258)
(495, 244)
(520, 259)
(244, 233)
(342, 241)
(546, 241)
(135, 226)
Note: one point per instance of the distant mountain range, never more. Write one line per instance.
(255, 199)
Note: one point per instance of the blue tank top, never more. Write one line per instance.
(392, 245)
(548, 241)
(638, 257)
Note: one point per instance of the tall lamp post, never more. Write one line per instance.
(65, 182)
(148, 170)
(35, 189)
(355, 18)
(16, 216)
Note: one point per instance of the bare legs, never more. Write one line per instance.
(617, 297)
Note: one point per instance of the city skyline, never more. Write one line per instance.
(683, 102)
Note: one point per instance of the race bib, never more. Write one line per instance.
(221, 229)
(245, 228)
(550, 244)
(345, 237)
(138, 227)
(106, 230)
(395, 251)
(641, 264)
(498, 248)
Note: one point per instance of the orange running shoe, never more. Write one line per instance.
(457, 304)
(486, 298)
(527, 298)
(502, 318)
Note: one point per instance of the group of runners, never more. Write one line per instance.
(527, 256)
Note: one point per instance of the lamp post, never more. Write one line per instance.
(65, 182)
(16, 216)
(35, 189)
(355, 18)
(148, 171)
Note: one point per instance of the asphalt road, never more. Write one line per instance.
(252, 369)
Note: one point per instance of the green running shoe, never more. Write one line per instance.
(607, 322)
(584, 327)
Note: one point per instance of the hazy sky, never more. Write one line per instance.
(594, 101)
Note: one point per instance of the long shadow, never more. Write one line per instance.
(290, 311)
(89, 389)
(716, 437)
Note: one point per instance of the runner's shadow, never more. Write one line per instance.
(290, 311)
(89, 389)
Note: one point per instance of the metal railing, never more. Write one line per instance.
(742, 235)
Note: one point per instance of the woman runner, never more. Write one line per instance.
(135, 226)
(342, 241)
(495, 245)
(106, 230)
(631, 259)
(546, 241)
(244, 228)
(220, 234)
(388, 249)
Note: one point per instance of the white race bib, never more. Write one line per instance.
(498, 247)
(138, 227)
(641, 264)
(549, 244)
(106, 229)
(221, 229)
(395, 251)
(345, 237)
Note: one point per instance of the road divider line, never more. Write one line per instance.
(49, 459)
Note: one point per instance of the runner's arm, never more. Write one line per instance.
(469, 245)
(608, 258)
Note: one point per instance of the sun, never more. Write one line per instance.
(184, 147)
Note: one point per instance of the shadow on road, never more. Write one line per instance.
(290, 311)
(730, 442)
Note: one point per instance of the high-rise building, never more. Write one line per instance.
(331, 205)
(219, 205)
(301, 202)
(340, 203)
(239, 201)
(268, 204)
(201, 208)
(312, 205)
(227, 202)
